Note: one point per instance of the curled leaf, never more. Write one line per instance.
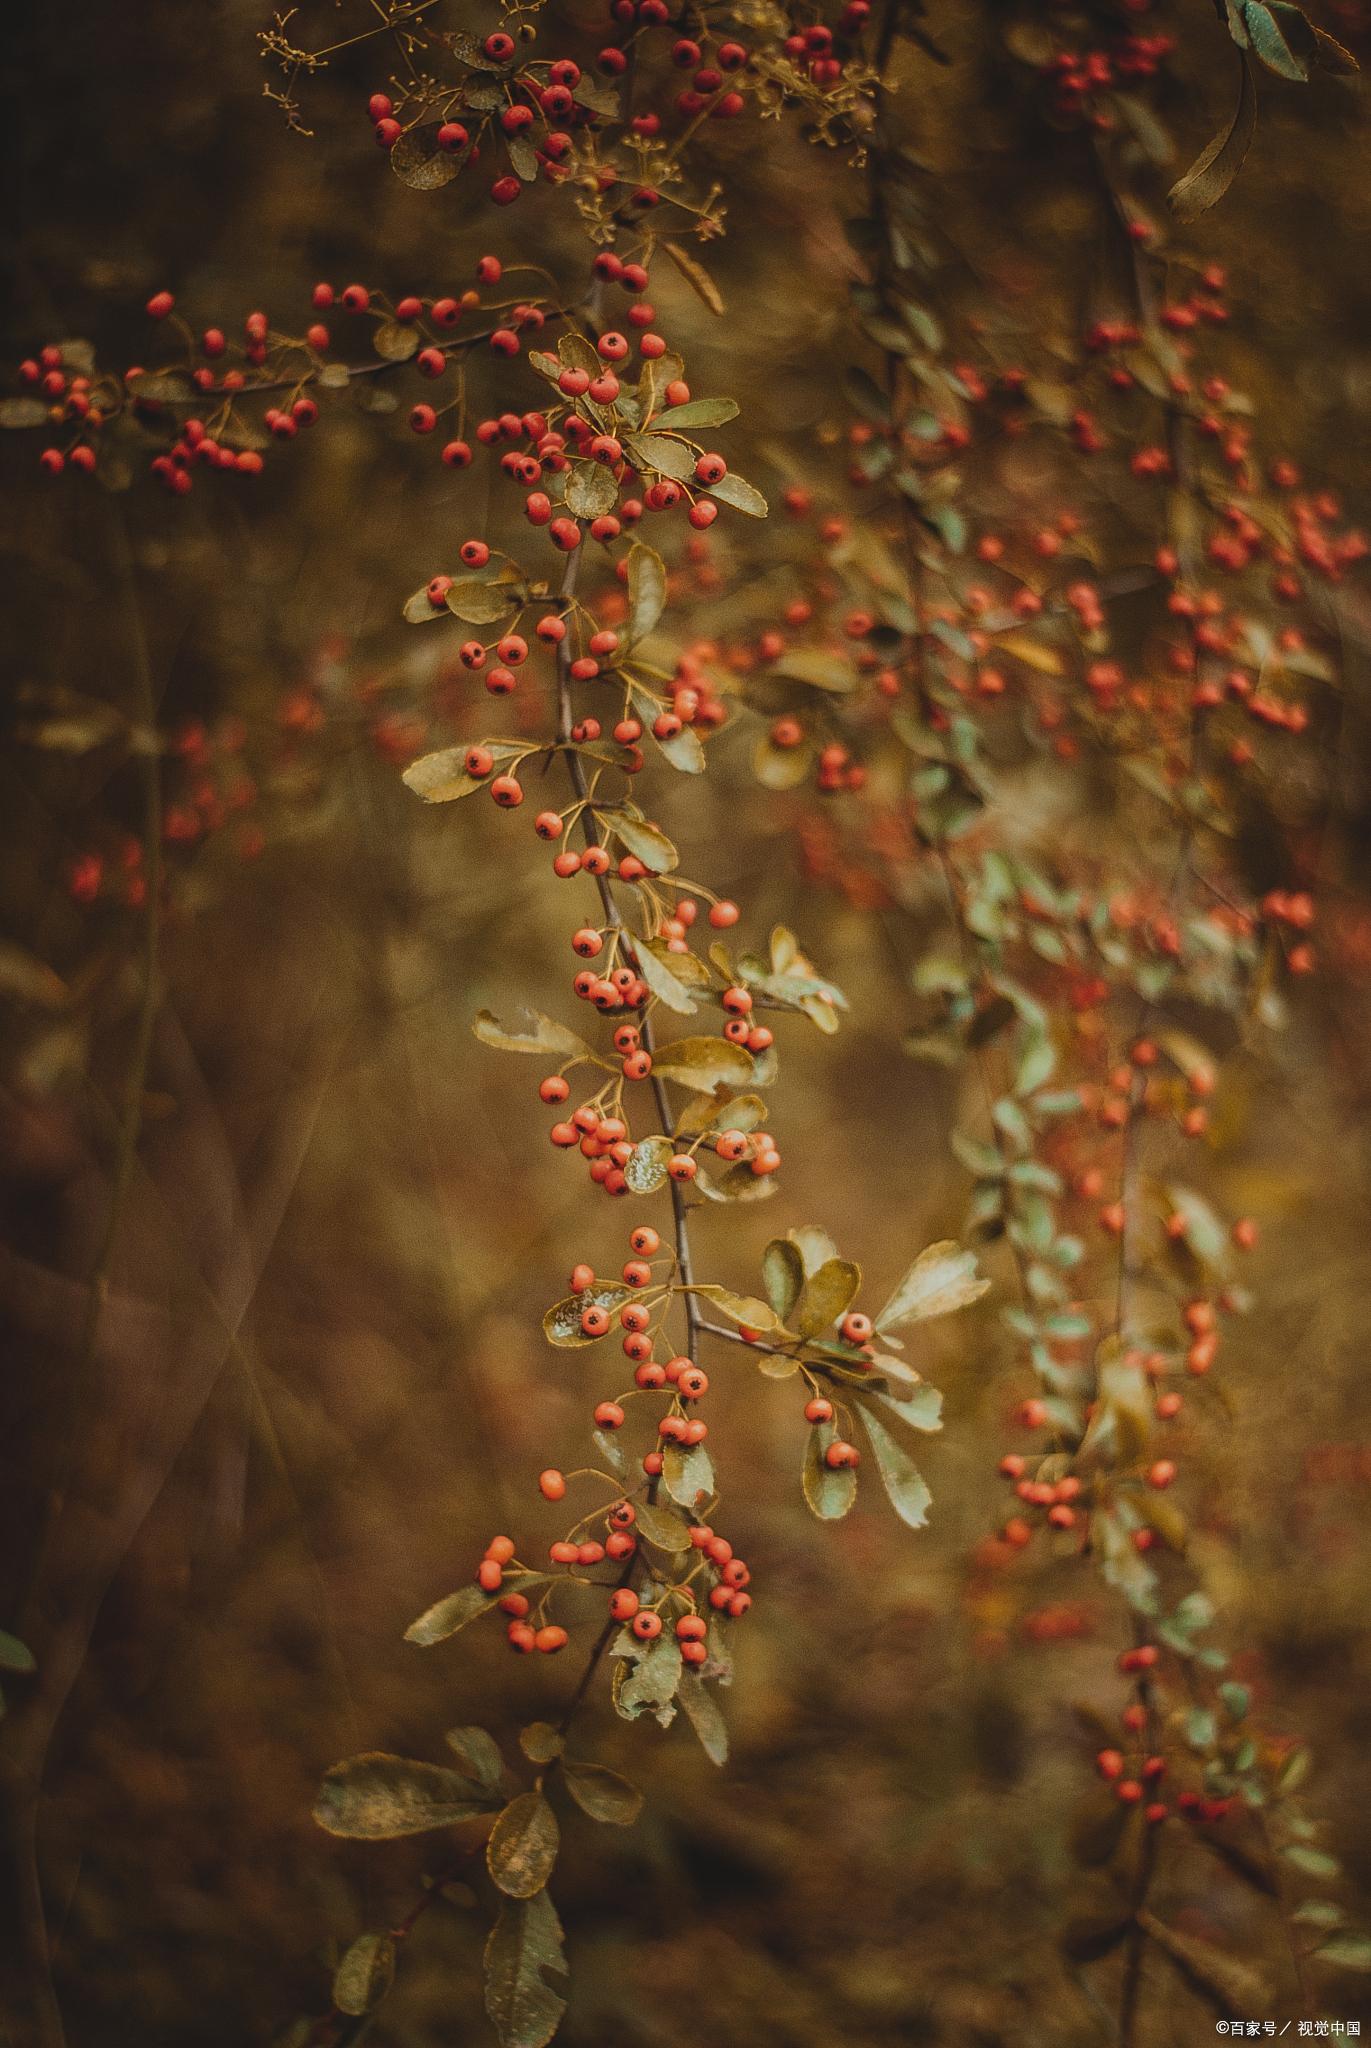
(1214, 170)
(541, 1035)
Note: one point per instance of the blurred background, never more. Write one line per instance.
(318, 1382)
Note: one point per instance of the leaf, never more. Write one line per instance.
(659, 454)
(697, 412)
(1309, 40)
(688, 1474)
(822, 671)
(562, 1323)
(826, 1295)
(744, 1309)
(376, 1797)
(22, 411)
(1229, 1985)
(603, 1794)
(1347, 1951)
(445, 1617)
(523, 158)
(909, 1496)
(523, 1846)
(663, 1529)
(478, 1756)
(942, 1279)
(590, 490)
(684, 750)
(662, 982)
(365, 1974)
(541, 1035)
(814, 1245)
(702, 1712)
(1269, 44)
(395, 341)
(646, 588)
(418, 162)
(1203, 1232)
(648, 842)
(14, 1655)
(441, 777)
(695, 275)
(650, 1688)
(783, 1274)
(525, 1943)
(1312, 1862)
(704, 1064)
(830, 1494)
(480, 600)
(541, 1742)
(1214, 170)
(743, 496)
(647, 1165)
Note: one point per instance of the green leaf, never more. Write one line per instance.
(480, 600)
(942, 1279)
(832, 672)
(648, 842)
(1347, 1951)
(541, 1035)
(1214, 170)
(687, 1474)
(590, 490)
(646, 588)
(814, 1245)
(702, 1712)
(830, 1494)
(541, 1742)
(1269, 44)
(441, 777)
(663, 983)
(603, 1794)
(826, 1295)
(704, 1063)
(684, 750)
(650, 1686)
(523, 1846)
(660, 455)
(697, 412)
(695, 275)
(909, 1496)
(646, 1170)
(1313, 1862)
(376, 1797)
(741, 495)
(663, 1529)
(467, 1604)
(747, 1310)
(365, 1974)
(525, 1944)
(418, 162)
(478, 1756)
(395, 341)
(783, 1274)
(23, 411)
(14, 1655)
(562, 1323)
